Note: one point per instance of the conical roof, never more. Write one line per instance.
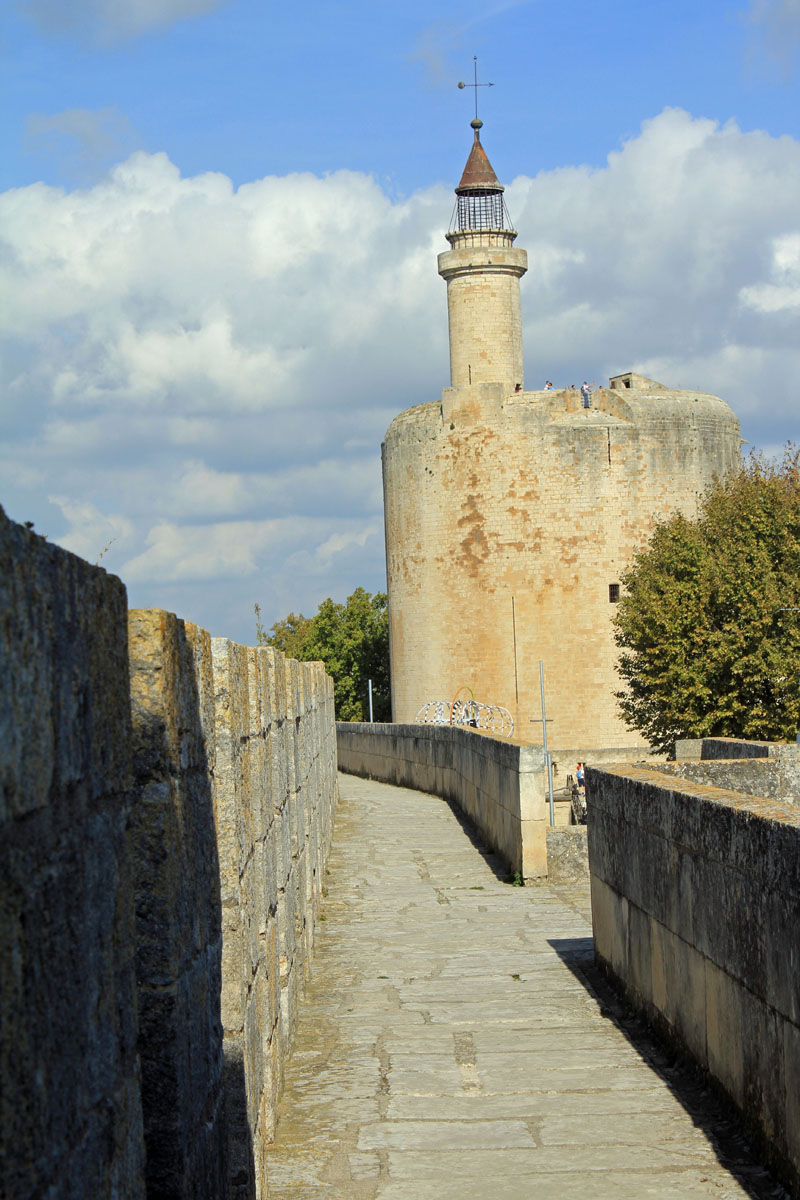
(478, 173)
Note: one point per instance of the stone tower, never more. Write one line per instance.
(510, 515)
(483, 270)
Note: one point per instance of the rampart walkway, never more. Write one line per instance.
(454, 1042)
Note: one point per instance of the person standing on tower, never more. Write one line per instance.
(586, 393)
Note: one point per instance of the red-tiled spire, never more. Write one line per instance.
(478, 173)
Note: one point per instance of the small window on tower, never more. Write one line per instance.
(613, 593)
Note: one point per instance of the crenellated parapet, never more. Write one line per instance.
(167, 805)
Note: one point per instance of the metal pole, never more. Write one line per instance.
(547, 758)
(514, 631)
(370, 700)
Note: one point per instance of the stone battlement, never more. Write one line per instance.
(167, 801)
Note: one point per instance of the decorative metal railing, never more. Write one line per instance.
(492, 718)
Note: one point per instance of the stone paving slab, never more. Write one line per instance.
(453, 1043)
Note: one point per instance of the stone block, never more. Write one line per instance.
(724, 1031)
(745, 949)
(610, 926)
(567, 854)
(241, 1176)
(780, 928)
(763, 1067)
(178, 915)
(272, 962)
(639, 980)
(791, 1059)
(70, 1103)
(65, 720)
(682, 970)
(789, 776)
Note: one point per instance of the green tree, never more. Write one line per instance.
(288, 635)
(709, 622)
(352, 639)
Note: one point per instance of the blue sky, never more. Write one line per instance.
(220, 226)
(248, 89)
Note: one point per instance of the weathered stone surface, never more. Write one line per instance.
(274, 798)
(162, 820)
(510, 515)
(70, 1106)
(178, 920)
(507, 510)
(450, 1045)
(722, 765)
(751, 776)
(696, 908)
(499, 785)
(567, 854)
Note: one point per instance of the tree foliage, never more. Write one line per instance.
(709, 622)
(352, 639)
(288, 635)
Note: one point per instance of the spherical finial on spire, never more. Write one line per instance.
(476, 124)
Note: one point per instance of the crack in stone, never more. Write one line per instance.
(384, 1070)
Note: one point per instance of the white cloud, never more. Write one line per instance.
(111, 20)
(205, 374)
(234, 550)
(784, 290)
(646, 263)
(91, 533)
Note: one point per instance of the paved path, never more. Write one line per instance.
(452, 1045)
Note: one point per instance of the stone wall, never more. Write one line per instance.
(500, 786)
(274, 800)
(70, 1102)
(176, 878)
(769, 769)
(167, 801)
(696, 911)
(493, 496)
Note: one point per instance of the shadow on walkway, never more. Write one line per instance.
(495, 862)
(710, 1112)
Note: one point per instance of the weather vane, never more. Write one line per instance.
(475, 85)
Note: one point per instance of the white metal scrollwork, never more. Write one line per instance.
(492, 718)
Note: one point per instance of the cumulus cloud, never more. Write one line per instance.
(200, 376)
(110, 20)
(783, 292)
(655, 261)
(90, 532)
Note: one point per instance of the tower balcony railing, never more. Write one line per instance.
(461, 238)
(480, 210)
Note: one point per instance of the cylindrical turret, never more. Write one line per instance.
(483, 271)
(512, 516)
